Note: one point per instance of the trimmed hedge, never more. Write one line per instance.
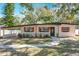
(32, 36)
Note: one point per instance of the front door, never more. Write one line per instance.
(52, 31)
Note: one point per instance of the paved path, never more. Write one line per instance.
(55, 39)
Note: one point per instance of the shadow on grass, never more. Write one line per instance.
(65, 48)
(38, 41)
(26, 41)
(12, 52)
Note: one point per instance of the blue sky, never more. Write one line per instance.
(18, 8)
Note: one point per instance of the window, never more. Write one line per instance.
(65, 29)
(43, 29)
(28, 29)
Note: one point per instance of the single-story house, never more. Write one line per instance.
(50, 29)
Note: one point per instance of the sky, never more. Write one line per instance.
(18, 8)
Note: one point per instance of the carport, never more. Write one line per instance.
(6, 32)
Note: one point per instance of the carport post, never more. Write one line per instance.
(3, 32)
(11, 32)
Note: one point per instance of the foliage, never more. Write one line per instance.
(29, 18)
(27, 5)
(46, 15)
(9, 12)
(18, 20)
(38, 15)
(64, 13)
(67, 12)
(9, 19)
(1, 19)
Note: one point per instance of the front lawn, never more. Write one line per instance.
(29, 41)
(65, 48)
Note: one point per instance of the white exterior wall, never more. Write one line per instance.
(67, 34)
(36, 28)
(77, 32)
(57, 29)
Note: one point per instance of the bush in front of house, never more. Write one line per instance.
(46, 36)
(24, 35)
(20, 35)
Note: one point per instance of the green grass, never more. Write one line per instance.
(30, 41)
(65, 48)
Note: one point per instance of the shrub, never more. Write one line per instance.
(20, 35)
(46, 35)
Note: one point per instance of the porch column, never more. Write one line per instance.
(49, 29)
(35, 28)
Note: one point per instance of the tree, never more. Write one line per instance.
(67, 12)
(1, 21)
(18, 20)
(37, 15)
(27, 6)
(9, 12)
(30, 17)
(45, 15)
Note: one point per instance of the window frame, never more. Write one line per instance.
(43, 29)
(27, 29)
(65, 29)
